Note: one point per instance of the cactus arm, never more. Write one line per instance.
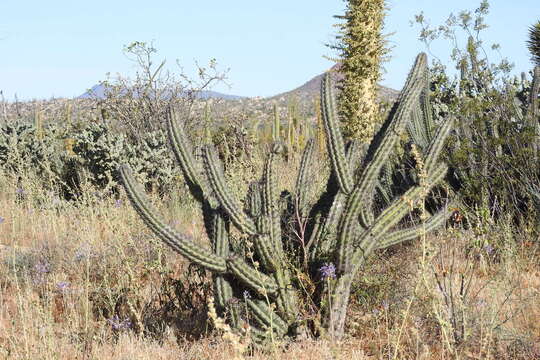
(265, 316)
(400, 207)
(415, 128)
(261, 336)
(220, 235)
(276, 125)
(262, 242)
(414, 232)
(224, 293)
(324, 233)
(222, 193)
(220, 245)
(274, 259)
(427, 110)
(177, 242)
(281, 276)
(393, 214)
(184, 155)
(334, 138)
(270, 205)
(437, 143)
(286, 296)
(303, 180)
(265, 251)
(254, 200)
(385, 190)
(254, 279)
(356, 152)
(389, 135)
(361, 196)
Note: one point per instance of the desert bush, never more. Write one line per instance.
(497, 123)
(65, 159)
(137, 105)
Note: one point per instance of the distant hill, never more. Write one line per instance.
(98, 91)
(312, 88)
(305, 92)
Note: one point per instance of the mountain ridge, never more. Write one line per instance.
(312, 87)
(99, 91)
(309, 89)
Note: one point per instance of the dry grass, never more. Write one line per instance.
(91, 282)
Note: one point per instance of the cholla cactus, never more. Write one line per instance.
(342, 228)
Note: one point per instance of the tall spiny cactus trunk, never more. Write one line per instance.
(361, 49)
(343, 227)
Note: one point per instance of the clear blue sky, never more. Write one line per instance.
(60, 48)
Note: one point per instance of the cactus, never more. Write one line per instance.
(276, 125)
(342, 227)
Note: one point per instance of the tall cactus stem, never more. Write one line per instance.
(223, 194)
(334, 138)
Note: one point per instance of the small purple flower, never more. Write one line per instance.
(327, 271)
(19, 191)
(481, 303)
(82, 253)
(246, 294)
(385, 305)
(117, 324)
(2, 219)
(118, 203)
(42, 267)
(63, 286)
(488, 249)
(79, 255)
(41, 270)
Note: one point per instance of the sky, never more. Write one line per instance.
(60, 48)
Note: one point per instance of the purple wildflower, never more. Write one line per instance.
(83, 253)
(118, 203)
(41, 270)
(488, 249)
(42, 267)
(481, 303)
(63, 286)
(19, 191)
(117, 324)
(328, 270)
(246, 294)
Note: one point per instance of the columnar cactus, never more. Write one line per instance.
(343, 227)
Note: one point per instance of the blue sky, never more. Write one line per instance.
(60, 48)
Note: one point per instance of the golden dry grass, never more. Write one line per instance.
(71, 278)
